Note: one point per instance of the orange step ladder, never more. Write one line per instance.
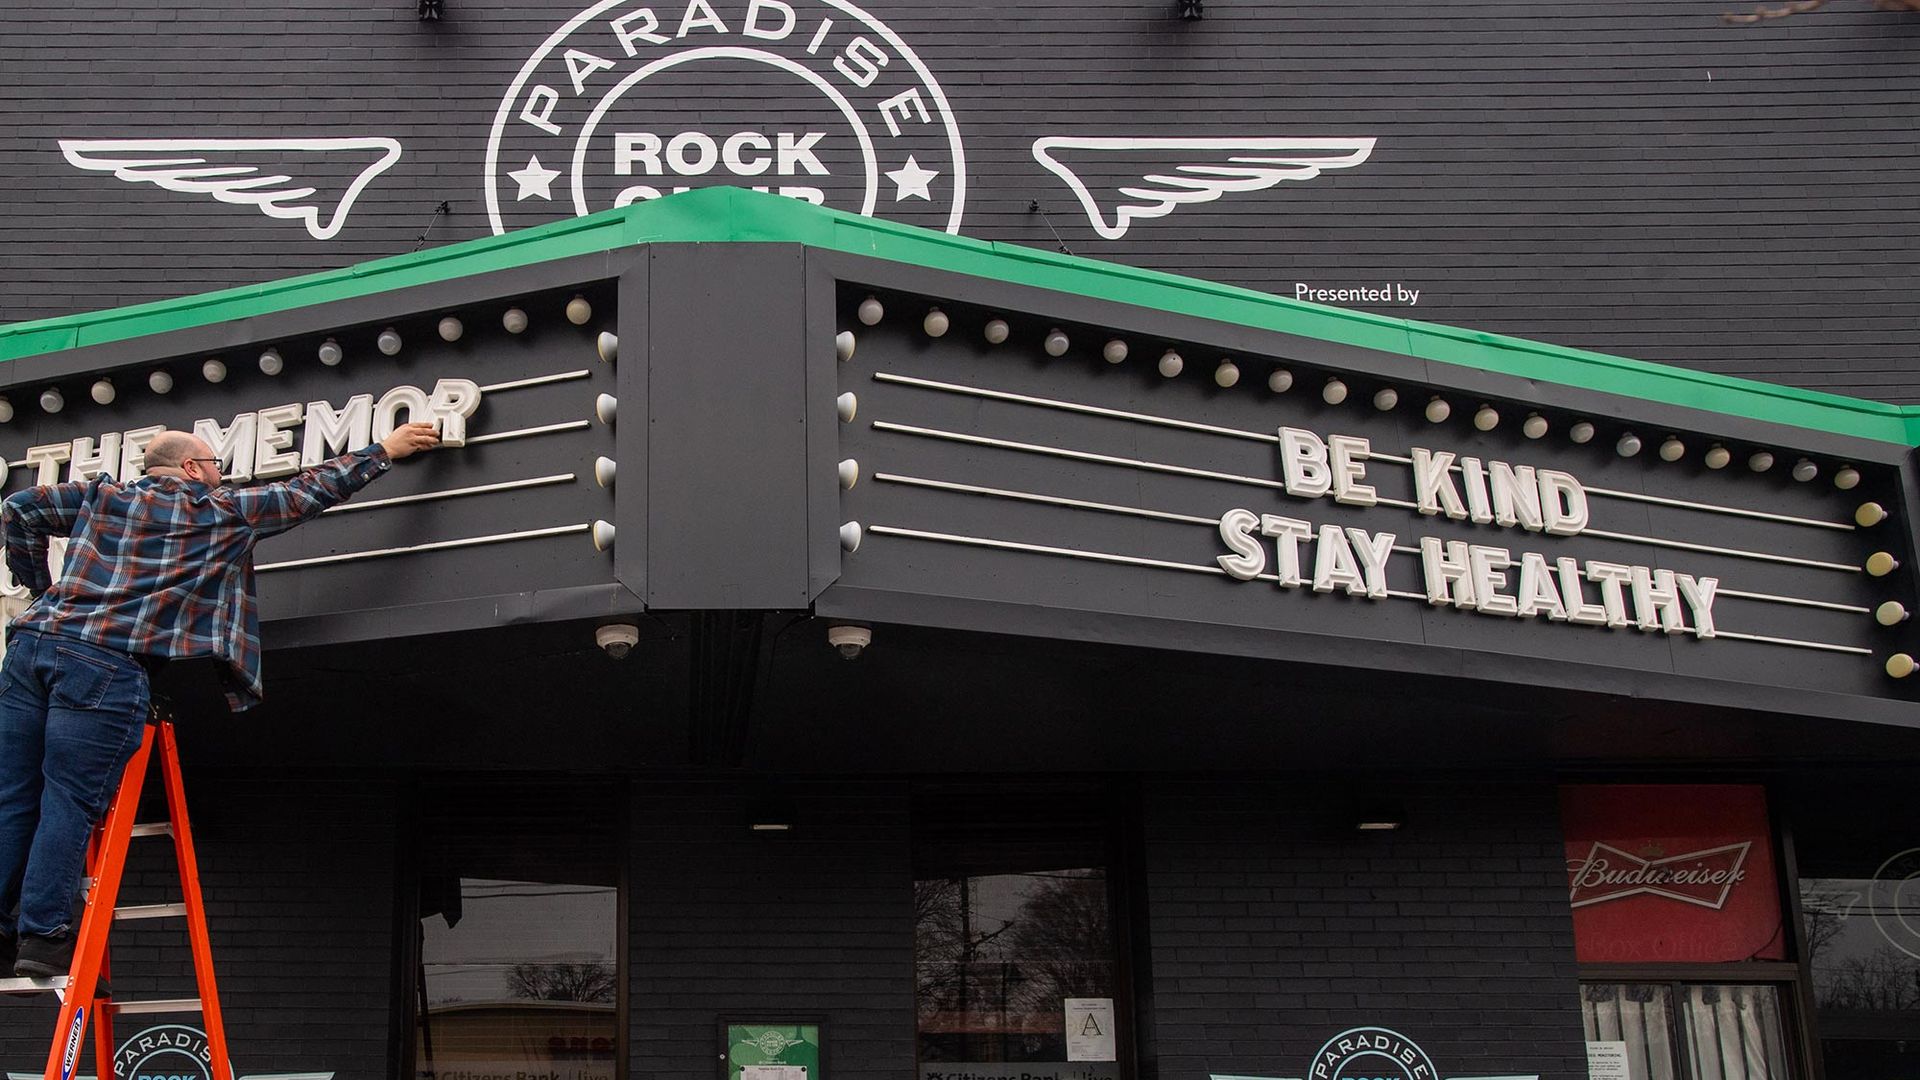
(82, 999)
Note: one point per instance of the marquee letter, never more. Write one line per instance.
(1346, 456)
(452, 401)
(1487, 566)
(1656, 601)
(1516, 495)
(1236, 531)
(330, 433)
(1373, 552)
(1698, 593)
(1537, 594)
(1433, 484)
(1287, 534)
(1445, 568)
(1334, 564)
(1303, 463)
(273, 453)
(1611, 577)
(1563, 503)
(233, 445)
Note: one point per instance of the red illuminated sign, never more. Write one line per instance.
(1663, 873)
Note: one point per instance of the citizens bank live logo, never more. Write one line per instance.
(814, 99)
(1704, 877)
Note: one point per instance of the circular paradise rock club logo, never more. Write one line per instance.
(1371, 1053)
(813, 99)
(170, 1051)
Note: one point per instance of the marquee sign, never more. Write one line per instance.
(510, 385)
(1015, 457)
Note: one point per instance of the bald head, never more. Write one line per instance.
(171, 449)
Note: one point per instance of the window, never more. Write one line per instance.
(517, 933)
(1858, 847)
(1016, 961)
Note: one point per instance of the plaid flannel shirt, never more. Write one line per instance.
(163, 566)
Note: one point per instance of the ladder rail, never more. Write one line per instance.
(198, 937)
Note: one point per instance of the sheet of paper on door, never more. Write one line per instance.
(1607, 1061)
(1090, 1030)
(773, 1072)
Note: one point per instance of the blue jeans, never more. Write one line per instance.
(71, 715)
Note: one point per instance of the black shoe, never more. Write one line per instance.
(9, 951)
(44, 957)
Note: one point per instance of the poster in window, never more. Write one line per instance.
(1671, 873)
(1090, 1030)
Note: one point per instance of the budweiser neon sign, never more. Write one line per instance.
(1705, 878)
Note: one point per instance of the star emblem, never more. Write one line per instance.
(910, 181)
(537, 181)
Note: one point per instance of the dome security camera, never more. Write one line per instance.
(849, 640)
(617, 640)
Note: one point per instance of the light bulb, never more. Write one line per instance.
(389, 341)
(579, 311)
(1672, 449)
(608, 347)
(271, 363)
(848, 472)
(160, 381)
(1171, 364)
(1846, 478)
(936, 323)
(1580, 431)
(1280, 380)
(1805, 470)
(1334, 392)
(1115, 351)
(1486, 418)
(606, 409)
(102, 391)
(213, 371)
(6, 411)
(1760, 461)
(1882, 563)
(515, 321)
(1227, 374)
(996, 331)
(871, 311)
(451, 329)
(1869, 515)
(330, 353)
(1438, 410)
(843, 345)
(1534, 426)
(1891, 613)
(1056, 343)
(850, 534)
(1628, 445)
(845, 406)
(1717, 457)
(1900, 665)
(1386, 398)
(51, 399)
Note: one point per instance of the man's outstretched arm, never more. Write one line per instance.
(30, 519)
(277, 507)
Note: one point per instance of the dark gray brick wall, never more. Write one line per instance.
(816, 922)
(1635, 177)
(1274, 924)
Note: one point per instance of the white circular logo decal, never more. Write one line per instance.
(812, 99)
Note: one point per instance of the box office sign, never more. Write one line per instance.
(1660, 873)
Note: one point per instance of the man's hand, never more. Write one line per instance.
(409, 439)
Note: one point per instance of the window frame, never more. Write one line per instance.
(1122, 848)
(404, 1009)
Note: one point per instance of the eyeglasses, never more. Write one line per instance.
(215, 460)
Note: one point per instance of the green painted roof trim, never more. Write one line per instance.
(720, 215)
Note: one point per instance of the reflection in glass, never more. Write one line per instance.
(1734, 1033)
(1638, 1016)
(518, 937)
(997, 955)
(1862, 944)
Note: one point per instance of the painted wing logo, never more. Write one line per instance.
(1204, 170)
(312, 181)
(1705, 878)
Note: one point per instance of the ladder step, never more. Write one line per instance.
(142, 1008)
(151, 911)
(156, 828)
(32, 986)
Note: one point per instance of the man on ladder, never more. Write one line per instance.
(157, 568)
